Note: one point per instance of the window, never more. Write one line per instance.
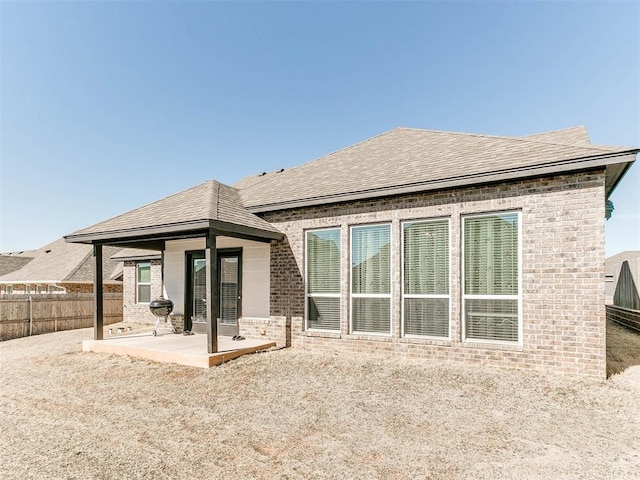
(426, 278)
(9, 289)
(27, 289)
(323, 279)
(371, 279)
(143, 282)
(491, 277)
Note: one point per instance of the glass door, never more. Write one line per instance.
(230, 288)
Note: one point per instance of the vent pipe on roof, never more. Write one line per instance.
(608, 209)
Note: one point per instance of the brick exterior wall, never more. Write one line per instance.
(139, 312)
(275, 329)
(562, 272)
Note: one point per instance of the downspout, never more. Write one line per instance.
(30, 300)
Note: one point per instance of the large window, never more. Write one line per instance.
(491, 277)
(371, 279)
(426, 278)
(323, 279)
(143, 283)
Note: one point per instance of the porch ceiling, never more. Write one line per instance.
(209, 208)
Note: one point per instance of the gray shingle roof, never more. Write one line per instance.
(10, 263)
(576, 136)
(406, 157)
(194, 207)
(61, 262)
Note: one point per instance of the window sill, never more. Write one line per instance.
(486, 345)
(441, 342)
(373, 338)
(320, 334)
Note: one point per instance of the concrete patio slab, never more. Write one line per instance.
(190, 350)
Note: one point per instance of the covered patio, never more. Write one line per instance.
(206, 212)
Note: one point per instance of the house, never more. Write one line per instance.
(440, 245)
(57, 268)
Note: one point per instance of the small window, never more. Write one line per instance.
(371, 279)
(143, 282)
(323, 279)
(426, 278)
(27, 289)
(491, 278)
(9, 289)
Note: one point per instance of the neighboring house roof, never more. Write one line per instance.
(208, 205)
(406, 160)
(61, 262)
(10, 263)
(612, 263)
(135, 254)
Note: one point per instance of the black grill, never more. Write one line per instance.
(161, 307)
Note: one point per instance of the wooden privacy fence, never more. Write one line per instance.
(626, 316)
(24, 315)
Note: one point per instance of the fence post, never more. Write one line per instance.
(30, 300)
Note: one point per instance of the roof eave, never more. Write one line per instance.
(163, 232)
(132, 258)
(460, 181)
(149, 232)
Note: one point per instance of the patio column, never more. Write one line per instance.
(211, 259)
(98, 290)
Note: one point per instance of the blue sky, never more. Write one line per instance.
(107, 106)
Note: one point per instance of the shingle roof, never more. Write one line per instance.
(576, 136)
(61, 262)
(10, 263)
(421, 159)
(194, 207)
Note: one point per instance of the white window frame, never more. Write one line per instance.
(404, 295)
(308, 295)
(371, 295)
(9, 289)
(465, 297)
(138, 283)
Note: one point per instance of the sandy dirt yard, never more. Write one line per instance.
(293, 414)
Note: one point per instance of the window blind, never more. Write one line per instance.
(371, 278)
(323, 279)
(426, 278)
(491, 277)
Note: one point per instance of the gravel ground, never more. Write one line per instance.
(294, 414)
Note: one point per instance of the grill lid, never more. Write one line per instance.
(161, 307)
